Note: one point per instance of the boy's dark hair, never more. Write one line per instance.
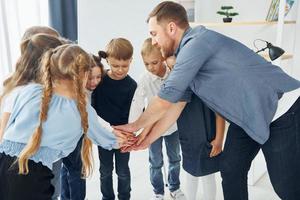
(168, 11)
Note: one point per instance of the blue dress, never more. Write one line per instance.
(61, 131)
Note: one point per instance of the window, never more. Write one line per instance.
(15, 17)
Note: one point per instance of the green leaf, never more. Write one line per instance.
(233, 14)
(221, 13)
(226, 7)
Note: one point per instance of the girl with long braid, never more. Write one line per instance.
(72, 185)
(46, 123)
(35, 41)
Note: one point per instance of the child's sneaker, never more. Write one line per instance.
(157, 197)
(177, 195)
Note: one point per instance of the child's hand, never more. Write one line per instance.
(143, 144)
(216, 147)
(138, 141)
(171, 61)
(125, 149)
(124, 138)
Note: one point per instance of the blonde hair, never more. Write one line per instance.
(39, 29)
(118, 48)
(148, 48)
(68, 62)
(27, 66)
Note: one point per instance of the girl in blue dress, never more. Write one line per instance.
(46, 123)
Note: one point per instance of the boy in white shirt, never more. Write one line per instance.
(148, 87)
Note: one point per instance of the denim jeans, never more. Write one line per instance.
(156, 163)
(72, 185)
(56, 180)
(122, 170)
(281, 152)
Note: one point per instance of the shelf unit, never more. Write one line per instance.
(248, 23)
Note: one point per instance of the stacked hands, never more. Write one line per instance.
(130, 140)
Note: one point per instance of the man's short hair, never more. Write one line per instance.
(168, 11)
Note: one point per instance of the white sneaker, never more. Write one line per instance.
(157, 197)
(177, 195)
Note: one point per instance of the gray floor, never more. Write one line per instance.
(141, 187)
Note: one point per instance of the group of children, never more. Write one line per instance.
(60, 100)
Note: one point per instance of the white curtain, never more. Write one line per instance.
(15, 17)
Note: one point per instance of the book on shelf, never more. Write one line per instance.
(274, 9)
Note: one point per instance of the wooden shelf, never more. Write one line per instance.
(283, 57)
(249, 23)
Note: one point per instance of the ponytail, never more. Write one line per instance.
(86, 149)
(35, 140)
(86, 156)
(102, 54)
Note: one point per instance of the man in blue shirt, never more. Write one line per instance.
(258, 98)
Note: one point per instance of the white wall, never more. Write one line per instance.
(296, 60)
(101, 20)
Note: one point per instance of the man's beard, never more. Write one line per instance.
(168, 50)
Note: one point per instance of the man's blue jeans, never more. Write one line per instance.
(122, 170)
(281, 152)
(72, 185)
(156, 163)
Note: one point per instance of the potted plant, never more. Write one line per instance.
(225, 10)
